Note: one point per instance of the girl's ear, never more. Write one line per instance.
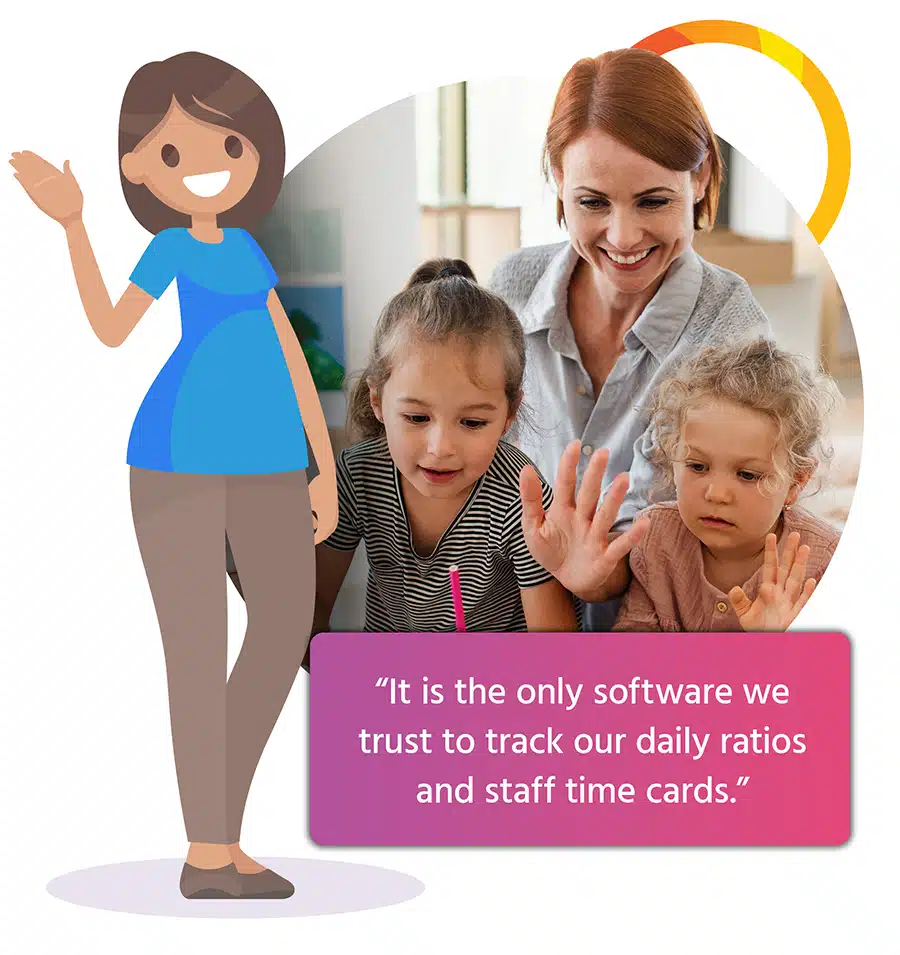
(375, 400)
(131, 168)
(800, 482)
(513, 411)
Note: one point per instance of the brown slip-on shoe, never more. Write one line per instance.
(223, 883)
(265, 885)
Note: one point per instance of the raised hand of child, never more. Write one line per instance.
(571, 539)
(784, 589)
(54, 191)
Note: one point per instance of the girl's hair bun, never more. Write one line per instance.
(435, 269)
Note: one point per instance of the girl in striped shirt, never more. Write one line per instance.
(433, 484)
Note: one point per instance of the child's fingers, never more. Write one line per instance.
(739, 600)
(567, 475)
(610, 506)
(797, 575)
(620, 546)
(530, 493)
(768, 594)
(787, 557)
(808, 589)
(591, 482)
(770, 560)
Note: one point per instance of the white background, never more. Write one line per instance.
(87, 775)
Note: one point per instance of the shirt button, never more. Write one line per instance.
(581, 390)
(587, 450)
(722, 607)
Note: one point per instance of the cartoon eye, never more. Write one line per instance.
(234, 147)
(170, 155)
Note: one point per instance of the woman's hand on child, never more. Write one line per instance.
(571, 539)
(54, 191)
(323, 502)
(784, 589)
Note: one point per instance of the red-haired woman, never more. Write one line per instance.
(608, 313)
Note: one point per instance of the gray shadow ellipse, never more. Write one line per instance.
(321, 888)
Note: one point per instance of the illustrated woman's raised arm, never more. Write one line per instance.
(57, 193)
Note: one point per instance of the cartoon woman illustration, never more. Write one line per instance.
(218, 446)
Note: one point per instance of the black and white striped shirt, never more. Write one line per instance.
(407, 593)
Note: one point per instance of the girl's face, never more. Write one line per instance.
(193, 167)
(444, 409)
(627, 217)
(721, 495)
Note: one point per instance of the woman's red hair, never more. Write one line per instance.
(640, 99)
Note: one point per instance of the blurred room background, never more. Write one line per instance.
(457, 171)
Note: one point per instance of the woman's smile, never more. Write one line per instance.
(207, 184)
(632, 261)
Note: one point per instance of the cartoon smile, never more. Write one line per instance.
(207, 184)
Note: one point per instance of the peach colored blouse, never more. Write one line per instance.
(669, 590)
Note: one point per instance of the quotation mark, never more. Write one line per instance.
(741, 781)
(381, 682)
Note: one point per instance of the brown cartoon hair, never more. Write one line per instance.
(640, 99)
(441, 302)
(196, 81)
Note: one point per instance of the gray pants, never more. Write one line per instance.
(221, 724)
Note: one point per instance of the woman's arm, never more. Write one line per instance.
(112, 324)
(548, 608)
(323, 487)
(57, 194)
(331, 569)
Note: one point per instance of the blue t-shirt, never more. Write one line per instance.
(224, 402)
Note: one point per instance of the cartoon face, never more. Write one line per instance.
(729, 495)
(627, 216)
(444, 409)
(194, 167)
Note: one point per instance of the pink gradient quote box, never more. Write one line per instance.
(595, 739)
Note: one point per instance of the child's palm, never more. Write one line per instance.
(571, 539)
(783, 592)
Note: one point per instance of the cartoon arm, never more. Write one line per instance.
(57, 194)
(323, 487)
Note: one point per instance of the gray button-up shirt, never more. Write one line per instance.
(698, 304)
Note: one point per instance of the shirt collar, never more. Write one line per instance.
(665, 316)
(550, 295)
(657, 328)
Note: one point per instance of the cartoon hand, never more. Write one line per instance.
(782, 593)
(571, 539)
(53, 191)
(323, 502)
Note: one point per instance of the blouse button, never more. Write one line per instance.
(587, 450)
(581, 390)
(722, 607)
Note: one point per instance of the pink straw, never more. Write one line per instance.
(457, 600)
